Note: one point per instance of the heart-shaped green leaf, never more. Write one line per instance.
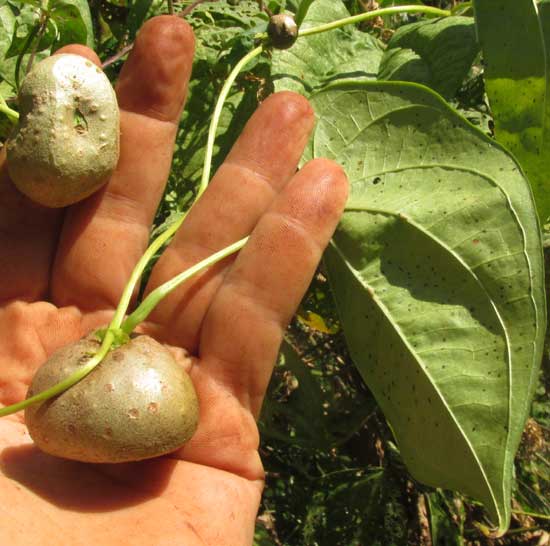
(437, 272)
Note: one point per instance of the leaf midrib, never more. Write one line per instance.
(417, 358)
(517, 210)
(465, 266)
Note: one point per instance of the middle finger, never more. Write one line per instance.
(261, 162)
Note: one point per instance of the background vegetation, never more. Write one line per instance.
(334, 473)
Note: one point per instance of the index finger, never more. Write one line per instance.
(104, 235)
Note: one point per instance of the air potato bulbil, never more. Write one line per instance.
(136, 404)
(66, 144)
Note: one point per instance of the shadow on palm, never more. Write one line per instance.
(85, 487)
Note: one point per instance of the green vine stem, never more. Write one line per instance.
(12, 115)
(148, 255)
(139, 314)
(157, 244)
(521, 530)
(531, 514)
(373, 15)
(157, 295)
(461, 8)
(217, 113)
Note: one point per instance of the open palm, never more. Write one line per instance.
(62, 273)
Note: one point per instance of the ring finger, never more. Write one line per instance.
(262, 161)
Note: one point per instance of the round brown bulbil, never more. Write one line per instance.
(282, 31)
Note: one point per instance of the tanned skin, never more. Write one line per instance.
(63, 271)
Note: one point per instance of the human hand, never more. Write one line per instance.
(62, 274)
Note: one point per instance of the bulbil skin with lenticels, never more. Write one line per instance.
(138, 403)
(66, 144)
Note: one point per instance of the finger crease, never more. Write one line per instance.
(299, 228)
(155, 114)
(256, 174)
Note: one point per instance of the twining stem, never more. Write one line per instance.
(373, 15)
(161, 239)
(321, 28)
(157, 295)
(461, 8)
(135, 318)
(264, 8)
(190, 8)
(532, 514)
(159, 242)
(521, 530)
(217, 113)
(153, 248)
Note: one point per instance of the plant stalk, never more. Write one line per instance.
(217, 113)
(157, 295)
(135, 318)
(521, 530)
(153, 248)
(159, 241)
(190, 8)
(531, 514)
(428, 10)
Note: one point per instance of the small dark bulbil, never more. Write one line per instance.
(282, 31)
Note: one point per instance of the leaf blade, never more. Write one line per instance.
(390, 138)
(74, 20)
